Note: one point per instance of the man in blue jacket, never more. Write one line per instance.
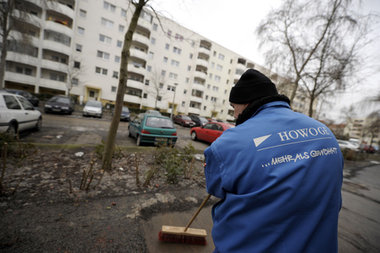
(278, 174)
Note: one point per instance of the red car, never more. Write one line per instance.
(183, 120)
(209, 132)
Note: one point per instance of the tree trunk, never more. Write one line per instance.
(110, 142)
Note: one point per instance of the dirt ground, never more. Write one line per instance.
(48, 205)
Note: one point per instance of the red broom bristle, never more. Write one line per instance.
(187, 239)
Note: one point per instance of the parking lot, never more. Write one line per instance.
(76, 129)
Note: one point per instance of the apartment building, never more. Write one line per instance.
(75, 48)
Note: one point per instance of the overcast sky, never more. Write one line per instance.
(232, 24)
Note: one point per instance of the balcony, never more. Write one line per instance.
(201, 75)
(23, 58)
(194, 110)
(20, 78)
(61, 8)
(204, 51)
(196, 99)
(141, 39)
(52, 84)
(57, 47)
(144, 24)
(56, 66)
(132, 99)
(197, 86)
(203, 63)
(51, 25)
(138, 54)
(135, 84)
(136, 69)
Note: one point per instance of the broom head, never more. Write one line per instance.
(179, 235)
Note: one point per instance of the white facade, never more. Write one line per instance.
(77, 50)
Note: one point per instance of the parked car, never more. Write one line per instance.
(183, 120)
(59, 104)
(31, 98)
(17, 114)
(198, 120)
(153, 112)
(125, 114)
(209, 132)
(152, 129)
(93, 108)
(347, 145)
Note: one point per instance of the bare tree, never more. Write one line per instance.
(372, 126)
(125, 54)
(316, 43)
(74, 69)
(157, 81)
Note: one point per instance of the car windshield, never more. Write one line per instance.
(60, 100)
(94, 103)
(159, 122)
(186, 117)
(203, 119)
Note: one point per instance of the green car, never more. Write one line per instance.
(152, 129)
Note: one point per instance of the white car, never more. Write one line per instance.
(347, 145)
(17, 114)
(93, 108)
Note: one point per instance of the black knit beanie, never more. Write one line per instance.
(252, 86)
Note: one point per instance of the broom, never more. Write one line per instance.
(185, 234)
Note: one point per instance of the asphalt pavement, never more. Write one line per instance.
(359, 223)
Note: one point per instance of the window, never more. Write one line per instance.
(191, 56)
(74, 81)
(149, 68)
(107, 23)
(184, 91)
(187, 80)
(175, 63)
(115, 74)
(113, 88)
(169, 33)
(217, 78)
(56, 77)
(177, 50)
(183, 104)
(98, 70)
(103, 55)
(121, 28)
(82, 13)
(80, 30)
(188, 68)
(159, 98)
(11, 102)
(173, 75)
(165, 59)
(155, 26)
(219, 67)
(78, 48)
(163, 72)
(146, 82)
(221, 56)
(105, 39)
(167, 46)
(77, 64)
(104, 71)
(117, 58)
(145, 95)
(119, 43)
(123, 13)
(109, 7)
(161, 85)
(171, 88)
(178, 37)
(150, 55)
(213, 99)
(153, 40)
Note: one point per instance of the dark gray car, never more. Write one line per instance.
(59, 104)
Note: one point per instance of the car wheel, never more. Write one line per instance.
(12, 131)
(194, 136)
(39, 124)
(138, 140)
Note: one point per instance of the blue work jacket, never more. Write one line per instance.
(279, 178)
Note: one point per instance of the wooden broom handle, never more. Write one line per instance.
(197, 212)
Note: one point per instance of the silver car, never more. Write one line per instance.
(93, 108)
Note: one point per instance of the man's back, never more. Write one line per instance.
(279, 176)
